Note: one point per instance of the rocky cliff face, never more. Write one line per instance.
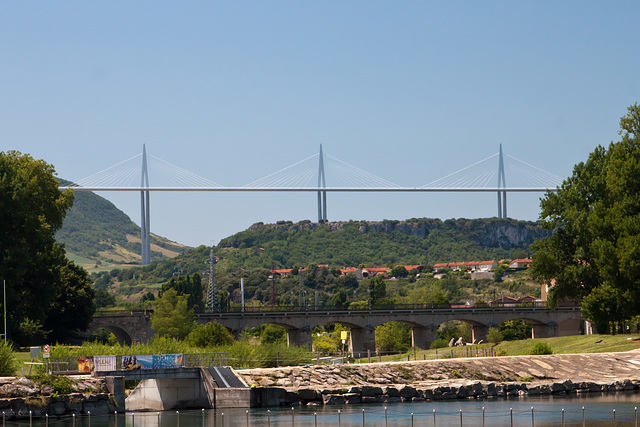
(490, 232)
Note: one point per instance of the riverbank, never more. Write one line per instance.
(446, 379)
(22, 397)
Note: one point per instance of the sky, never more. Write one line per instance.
(233, 91)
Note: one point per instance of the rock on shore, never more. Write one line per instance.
(449, 378)
(21, 397)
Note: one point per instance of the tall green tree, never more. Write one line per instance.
(191, 286)
(377, 289)
(38, 276)
(172, 316)
(595, 219)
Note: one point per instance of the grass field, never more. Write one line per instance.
(560, 345)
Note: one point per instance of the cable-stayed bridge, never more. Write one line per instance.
(318, 173)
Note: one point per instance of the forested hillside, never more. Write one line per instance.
(96, 230)
(254, 252)
(386, 243)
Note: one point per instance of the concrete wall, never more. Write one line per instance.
(163, 394)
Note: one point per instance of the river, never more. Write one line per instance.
(599, 410)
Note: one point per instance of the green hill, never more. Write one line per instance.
(95, 232)
(254, 252)
(386, 243)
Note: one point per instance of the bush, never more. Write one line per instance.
(209, 335)
(8, 362)
(439, 343)
(273, 334)
(541, 348)
(494, 336)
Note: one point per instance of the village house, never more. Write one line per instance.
(521, 263)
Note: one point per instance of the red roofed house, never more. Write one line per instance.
(372, 272)
(440, 266)
(411, 267)
(487, 265)
(521, 263)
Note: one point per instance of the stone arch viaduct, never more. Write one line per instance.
(135, 326)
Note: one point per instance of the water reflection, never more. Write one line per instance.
(547, 411)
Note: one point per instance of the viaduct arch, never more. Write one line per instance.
(135, 326)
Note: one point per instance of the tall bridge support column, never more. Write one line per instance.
(299, 337)
(362, 339)
(422, 337)
(479, 332)
(544, 331)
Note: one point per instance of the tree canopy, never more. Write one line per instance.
(595, 217)
(45, 292)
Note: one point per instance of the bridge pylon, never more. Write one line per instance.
(145, 227)
(322, 194)
(502, 183)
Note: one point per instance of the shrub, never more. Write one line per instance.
(8, 362)
(209, 335)
(494, 336)
(439, 343)
(541, 348)
(272, 334)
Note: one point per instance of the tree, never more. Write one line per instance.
(210, 334)
(393, 336)
(39, 278)
(70, 311)
(272, 334)
(339, 300)
(191, 286)
(172, 317)
(606, 304)
(595, 219)
(377, 289)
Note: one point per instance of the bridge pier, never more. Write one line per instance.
(479, 332)
(362, 339)
(299, 337)
(422, 337)
(544, 330)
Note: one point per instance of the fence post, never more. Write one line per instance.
(583, 417)
(202, 418)
(511, 415)
(339, 420)
(483, 416)
(460, 417)
(614, 418)
(363, 425)
(412, 419)
(434, 418)
(293, 417)
(315, 417)
(222, 419)
(562, 417)
(385, 417)
(178, 418)
(247, 418)
(533, 423)
(268, 417)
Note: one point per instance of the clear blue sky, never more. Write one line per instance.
(233, 91)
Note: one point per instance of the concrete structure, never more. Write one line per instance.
(424, 323)
(181, 388)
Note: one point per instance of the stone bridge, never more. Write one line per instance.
(135, 326)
